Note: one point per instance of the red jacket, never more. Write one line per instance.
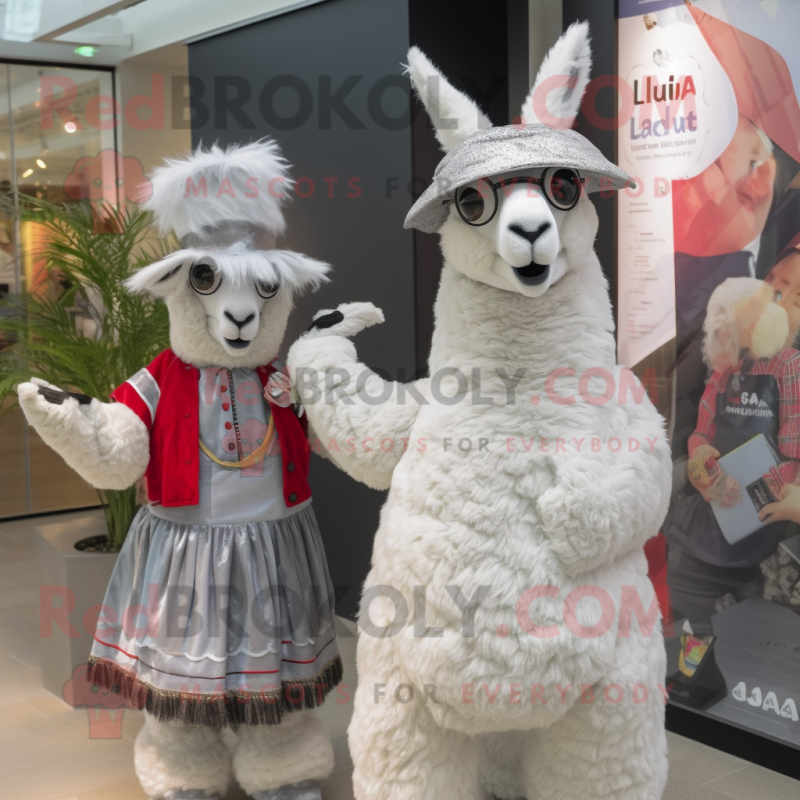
(170, 386)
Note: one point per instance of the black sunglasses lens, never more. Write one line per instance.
(471, 204)
(563, 187)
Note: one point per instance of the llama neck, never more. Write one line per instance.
(480, 326)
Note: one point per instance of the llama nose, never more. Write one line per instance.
(531, 236)
(240, 323)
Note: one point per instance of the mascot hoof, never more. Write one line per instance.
(347, 320)
(306, 790)
(326, 320)
(190, 794)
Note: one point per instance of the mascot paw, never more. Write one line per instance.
(57, 397)
(347, 320)
(46, 405)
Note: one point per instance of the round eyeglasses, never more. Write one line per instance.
(477, 202)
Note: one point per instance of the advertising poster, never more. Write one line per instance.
(709, 303)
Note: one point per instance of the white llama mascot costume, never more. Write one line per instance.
(226, 561)
(510, 639)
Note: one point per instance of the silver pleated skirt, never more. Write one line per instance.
(219, 624)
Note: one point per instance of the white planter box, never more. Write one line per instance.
(70, 584)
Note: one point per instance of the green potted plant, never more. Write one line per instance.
(95, 334)
(82, 331)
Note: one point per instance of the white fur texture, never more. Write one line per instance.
(569, 58)
(242, 182)
(192, 342)
(509, 521)
(106, 444)
(343, 394)
(454, 115)
(269, 757)
(172, 755)
(294, 271)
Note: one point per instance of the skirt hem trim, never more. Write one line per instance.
(217, 709)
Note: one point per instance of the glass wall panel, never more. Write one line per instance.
(709, 317)
(57, 139)
(13, 433)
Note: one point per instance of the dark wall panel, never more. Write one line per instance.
(295, 64)
(603, 30)
(292, 68)
(469, 44)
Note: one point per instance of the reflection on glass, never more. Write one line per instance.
(57, 142)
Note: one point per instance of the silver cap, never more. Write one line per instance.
(512, 147)
(232, 236)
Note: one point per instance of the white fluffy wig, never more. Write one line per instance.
(741, 314)
(201, 197)
(243, 182)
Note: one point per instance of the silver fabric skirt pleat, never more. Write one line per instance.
(219, 624)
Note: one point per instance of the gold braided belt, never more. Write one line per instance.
(251, 459)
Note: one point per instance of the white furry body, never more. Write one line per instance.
(509, 521)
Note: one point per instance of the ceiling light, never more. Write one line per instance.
(85, 50)
(41, 164)
(27, 173)
(22, 19)
(70, 127)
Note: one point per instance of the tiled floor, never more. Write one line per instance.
(46, 752)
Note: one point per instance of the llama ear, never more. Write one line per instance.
(563, 77)
(454, 115)
(161, 278)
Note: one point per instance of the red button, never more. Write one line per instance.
(226, 406)
(223, 388)
(228, 426)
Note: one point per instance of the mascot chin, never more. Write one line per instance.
(225, 563)
(510, 640)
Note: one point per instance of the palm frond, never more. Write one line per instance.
(43, 337)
